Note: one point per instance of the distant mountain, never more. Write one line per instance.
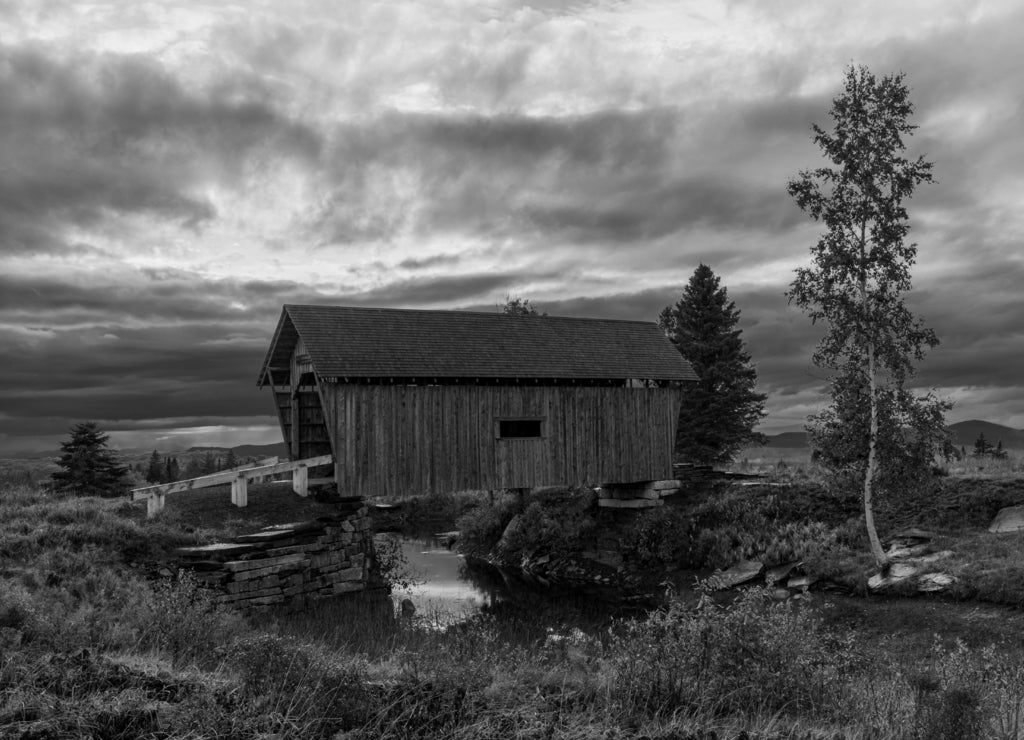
(787, 440)
(966, 432)
(277, 449)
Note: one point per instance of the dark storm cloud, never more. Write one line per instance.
(163, 345)
(606, 176)
(427, 291)
(664, 208)
(99, 134)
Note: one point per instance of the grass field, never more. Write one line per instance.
(91, 646)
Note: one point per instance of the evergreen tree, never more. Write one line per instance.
(193, 468)
(719, 414)
(87, 466)
(155, 473)
(230, 461)
(999, 452)
(171, 472)
(208, 463)
(982, 446)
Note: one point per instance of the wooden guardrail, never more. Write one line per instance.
(238, 478)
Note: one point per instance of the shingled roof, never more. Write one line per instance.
(345, 342)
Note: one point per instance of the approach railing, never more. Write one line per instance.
(238, 478)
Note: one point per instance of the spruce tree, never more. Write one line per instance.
(171, 472)
(87, 466)
(718, 414)
(155, 473)
(230, 460)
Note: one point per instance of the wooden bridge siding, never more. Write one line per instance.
(396, 439)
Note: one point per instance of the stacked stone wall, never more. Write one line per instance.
(288, 564)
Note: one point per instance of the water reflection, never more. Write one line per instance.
(451, 588)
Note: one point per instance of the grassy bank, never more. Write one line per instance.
(92, 646)
(793, 517)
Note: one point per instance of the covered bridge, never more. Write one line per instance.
(412, 401)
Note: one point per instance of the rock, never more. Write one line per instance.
(780, 594)
(510, 533)
(914, 534)
(779, 572)
(1010, 519)
(743, 571)
(932, 582)
(801, 582)
(907, 552)
(897, 572)
(606, 557)
(932, 557)
(448, 539)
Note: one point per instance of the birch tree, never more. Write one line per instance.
(859, 274)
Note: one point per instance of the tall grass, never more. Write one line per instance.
(92, 647)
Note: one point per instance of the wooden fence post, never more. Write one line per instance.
(240, 492)
(300, 481)
(154, 505)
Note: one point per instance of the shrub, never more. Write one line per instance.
(556, 528)
(658, 537)
(481, 528)
(183, 620)
(755, 655)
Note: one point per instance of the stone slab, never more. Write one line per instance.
(262, 563)
(779, 572)
(636, 503)
(223, 549)
(244, 575)
(743, 571)
(1010, 519)
(296, 527)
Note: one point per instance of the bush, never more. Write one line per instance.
(659, 537)
(753, 656)
(554, 528)
(183, 620)
(481, 528)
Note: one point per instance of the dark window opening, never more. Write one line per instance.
(519, 428)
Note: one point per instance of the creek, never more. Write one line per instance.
(449, 588)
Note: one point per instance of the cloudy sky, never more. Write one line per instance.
(172, 172)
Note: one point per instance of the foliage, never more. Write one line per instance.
(983, 448)
(87, 466)
(658, 536)
(518, 306)
(392, 564)
(752, 655)
(184, 621)
(860, 271)
(718, 415)
(552, 528)
(156, 470)
(83, 653)
(481, 528)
